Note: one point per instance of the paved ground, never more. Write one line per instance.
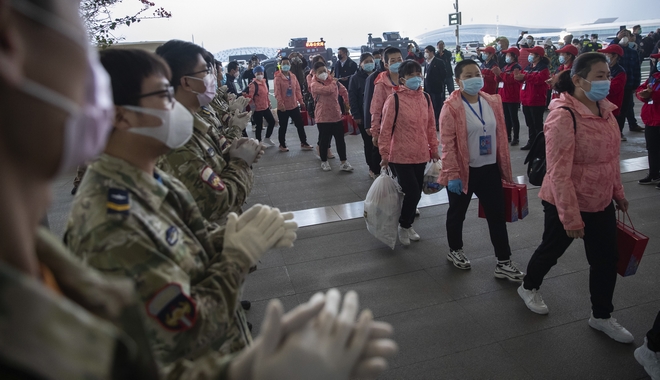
(450, 324)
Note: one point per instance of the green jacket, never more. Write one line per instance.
(218, 184)
(128, 223)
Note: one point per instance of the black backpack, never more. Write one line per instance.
(535, 159)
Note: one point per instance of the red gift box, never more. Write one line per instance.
(523, 206)
(631, 245)
(306, 119)
(511, 201)
(350, 126)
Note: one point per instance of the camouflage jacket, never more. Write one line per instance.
(217, 185)
(90, 327)
(220, 107)
(128, 223)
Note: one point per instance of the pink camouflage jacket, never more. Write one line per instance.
(325, 94)
(383, 87)
(261, 101)
(414, 137)
(282, 84)
(582, 166)
(454, 140)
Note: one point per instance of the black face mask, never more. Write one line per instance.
(341, 57)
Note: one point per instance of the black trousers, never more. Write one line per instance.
(259, 117)
(653, 336)
(511, 119)
(626, 107)
(411, 179)
(652, 135)
(369, 147)
(486, 182)
(326, 132)
(599, 244)
(295, 115)
(437, 100)
(449, 83)
(630, 115)
(534, 120)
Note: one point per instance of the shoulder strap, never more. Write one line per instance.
(396, 110)
(572, 116)
(256, 88)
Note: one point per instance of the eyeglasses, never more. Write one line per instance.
(168, 92)
(206, 70)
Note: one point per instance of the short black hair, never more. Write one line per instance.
(378, 51)
(458, 70)
(233, 65)
(409, 67)
(389, 51)
(318, 58)
(364, 56)
(127, 69)
(430, 48)
(285, 59)
(343, 49)
(318, 65)
(181, 56)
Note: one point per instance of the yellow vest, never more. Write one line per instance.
(459, 57)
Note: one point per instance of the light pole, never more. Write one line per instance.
(458, 41)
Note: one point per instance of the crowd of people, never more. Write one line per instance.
(147, 281)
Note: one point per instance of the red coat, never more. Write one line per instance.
(618, 82)
(510, 93)
(651, 112)
(534, 90)
(490, 83)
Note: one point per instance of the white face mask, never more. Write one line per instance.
(428, 55)
(211, 86)
(87, 127)
(323, 76)
(260, 77)
(176, 125)
(624, 41)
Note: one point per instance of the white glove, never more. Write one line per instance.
(224, 89)
(239, 120)
(238, 104)
(245, 148)
(257, 236)
(290, 226)
(231, 97)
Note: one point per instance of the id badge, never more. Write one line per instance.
(501, 85)
(289, 92)
(485, 147)
(524, 85)
(650, 102)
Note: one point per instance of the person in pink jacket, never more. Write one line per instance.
(582, 178)
(408, 141)
(475, 160)
(258, 92)
(326, 91)
(289, 97)
(310, 78)
(384, 85)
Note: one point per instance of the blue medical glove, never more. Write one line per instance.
(455, 186)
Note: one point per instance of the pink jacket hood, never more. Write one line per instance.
(454, 140)
(383, 88)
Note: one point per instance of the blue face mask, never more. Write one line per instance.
(484, 56)
(369, 66)
(599, 90)
(530, 58)
(473, 85)
(562, 59)
(508, 59)
(631, 45)
(377, 61)
(224, 80)
(286, 67)
(498, 47)
(394, 68)
(413, 83)
(657, 65)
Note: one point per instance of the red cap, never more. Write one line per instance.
(489, 50)
(512, 50)
(538, 50)
(655, 56)
(613, 49)
(570, 49)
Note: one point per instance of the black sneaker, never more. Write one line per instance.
(74, 190)
(527, 146)
(637, 128)
(246, 305)
(648, 180)
(515, 142)
(657, 187)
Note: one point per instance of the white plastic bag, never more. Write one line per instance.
(382, 208)
(431, 174)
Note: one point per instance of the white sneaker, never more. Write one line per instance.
(649, 359)
(458, 259)
(417, 213)
(414, 236)
(403, 236)
(508, 270)
(325, 166)
(533, 300)
(254, 128)
(612, 328)
(268, 141)
(346, 167)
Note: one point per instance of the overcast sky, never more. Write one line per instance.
(220, 25)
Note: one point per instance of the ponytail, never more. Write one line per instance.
(565, 83)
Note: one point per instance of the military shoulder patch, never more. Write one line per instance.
(212, 179)
(118, 201)
(172, 235)
(172, 308)
(210, 151)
